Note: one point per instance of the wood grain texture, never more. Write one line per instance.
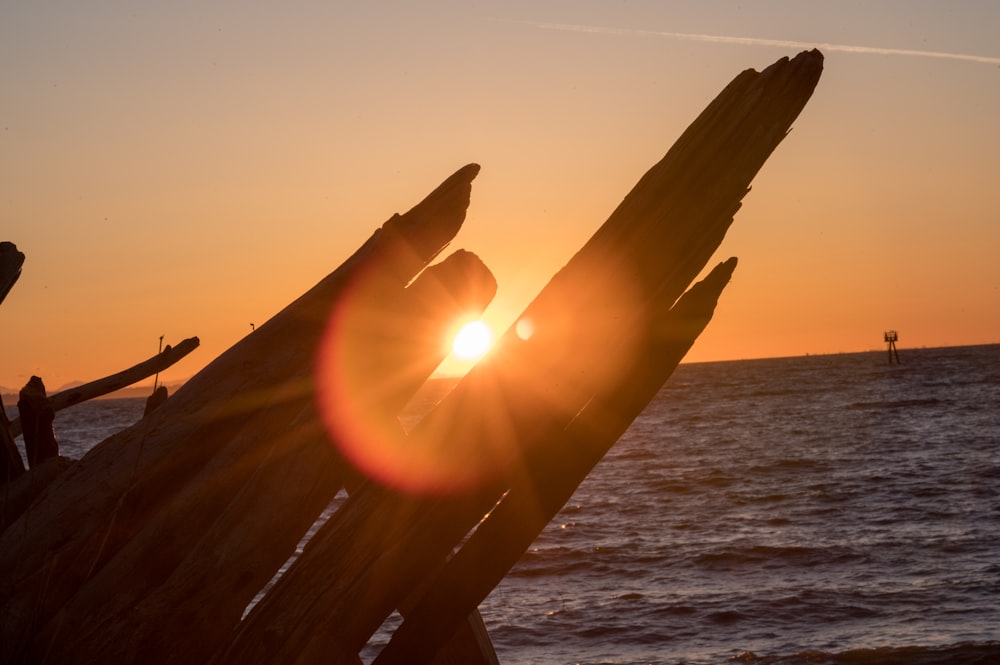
(152, 545)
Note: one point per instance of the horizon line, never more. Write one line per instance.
(7, 390)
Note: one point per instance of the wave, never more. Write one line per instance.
(966, 653)
(985, 653)
(786, 557)
(896, 403)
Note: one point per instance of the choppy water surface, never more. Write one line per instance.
(828, 509)
(775, 507)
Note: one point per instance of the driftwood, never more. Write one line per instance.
(35, 416)
(550, 478)
(211, 538)
(157, 398)
(219, 441)
(38, 409)
(40, 443)
(11, 464)
(589, 325)
(152, 545)
(19, 493)
(117, 381)
(11, 261)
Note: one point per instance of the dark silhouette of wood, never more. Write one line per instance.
(588, 326)
(551, 477)
(155, 400)
(11, 464)
(241, 519)
(152, 545)
(238, 408)
(119, 380)
(17, 495)
(11, 261)
(35, 419)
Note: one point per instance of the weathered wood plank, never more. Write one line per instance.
(241, 429)
(233, 526)
(551, 476)
(97, 507)
(587, 323)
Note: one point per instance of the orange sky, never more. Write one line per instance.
(186, 168)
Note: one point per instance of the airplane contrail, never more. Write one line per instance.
(754, 41)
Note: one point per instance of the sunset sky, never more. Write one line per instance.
(188, 168)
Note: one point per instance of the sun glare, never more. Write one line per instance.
(472, 341)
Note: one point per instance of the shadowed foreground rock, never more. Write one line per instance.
(151, 547)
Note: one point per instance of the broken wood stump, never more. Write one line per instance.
(155, 400)
(36, 416)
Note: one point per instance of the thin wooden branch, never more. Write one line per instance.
(117, 381)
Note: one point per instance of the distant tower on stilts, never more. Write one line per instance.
(890, 339)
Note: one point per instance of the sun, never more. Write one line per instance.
(472, 341)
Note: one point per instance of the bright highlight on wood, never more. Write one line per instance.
(472, 341)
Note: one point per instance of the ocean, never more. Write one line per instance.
(821, 509)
